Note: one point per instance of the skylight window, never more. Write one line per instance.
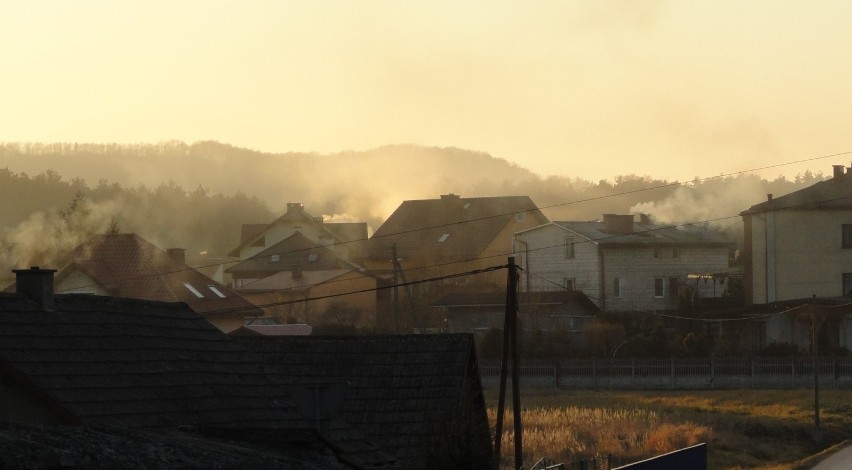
(444, 238)
(466, 205)
(275, 258)
(312, 257)
(193, 290)
(216, 291)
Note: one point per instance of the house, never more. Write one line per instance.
(417, 396)
(300, 280)
(623, 264)
(800, 245)
(345, 238)
(437, 237)
(563, 312)
(127, 265)
(89, 360)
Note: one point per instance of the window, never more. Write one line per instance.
(520, 216)
(674, 287)
(847, 236)
(569, 283)
(192, 289)
(569, 247)
(659, 287)
(444, 238)
(616, 287)
(847, 284)
(675, 252)
(657, 252)
(275, 258)
(312, 258)
(216, 291)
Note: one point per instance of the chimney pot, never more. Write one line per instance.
(838, 170)
(618, 224)
(178, 254)
(37, 285)
(769, 197)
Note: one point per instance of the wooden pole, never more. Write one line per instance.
(504, 369)
(516, 366)
(817, 432)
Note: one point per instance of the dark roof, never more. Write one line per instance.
(295, 250)
(648, 234)
(449, 228)
(29, 446)
(135, 363)
(126, 265)
(493, 299)
(155, 365)
(834, 193)
(249, 232)
(406, 391)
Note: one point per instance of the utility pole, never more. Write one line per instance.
(817, 431)
(395, 262)
(510, 349)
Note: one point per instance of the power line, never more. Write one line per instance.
(414, 230)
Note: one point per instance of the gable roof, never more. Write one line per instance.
(350, 233)
(834, 193)
(449, 228)
(646, 234)
(135, 363)
(127, 265)
(155, 365)
(295, 250)
(406, 391)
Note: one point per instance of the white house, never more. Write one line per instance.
(623, 264)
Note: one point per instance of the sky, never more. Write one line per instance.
(576, 88)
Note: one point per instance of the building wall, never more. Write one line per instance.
(636, 267)
(546, 265)
(798, 254)
(281, 231)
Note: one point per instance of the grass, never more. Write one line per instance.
(766, 429)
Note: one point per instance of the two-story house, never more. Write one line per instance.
(800, 245)
(623, 264)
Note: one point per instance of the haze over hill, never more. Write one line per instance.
(197, 195)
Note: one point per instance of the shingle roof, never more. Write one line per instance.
(450, 228)
(835, 193)
(404, 389)
(126, 265)
(139, 363)
(648, 234)
(155, 365)
(32, 446)
(295, 250)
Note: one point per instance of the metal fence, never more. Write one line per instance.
(757, 372)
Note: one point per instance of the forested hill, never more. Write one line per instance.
(197, 196)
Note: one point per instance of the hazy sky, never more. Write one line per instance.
(587, 88)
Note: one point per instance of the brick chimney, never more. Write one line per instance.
(838, 170)
(618, 224)
(37, 285)
(178, 254)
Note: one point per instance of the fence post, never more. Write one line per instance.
(834, 370)
(712, 373)
(594, 375)
(556, 373)
(673, 372)
(752, 372)
(633, 371)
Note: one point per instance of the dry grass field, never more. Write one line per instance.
(743, 428)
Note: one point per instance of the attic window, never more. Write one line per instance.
(444, 238)
(275, 258)
(193, 290)
(312, 257)
(216, 291)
